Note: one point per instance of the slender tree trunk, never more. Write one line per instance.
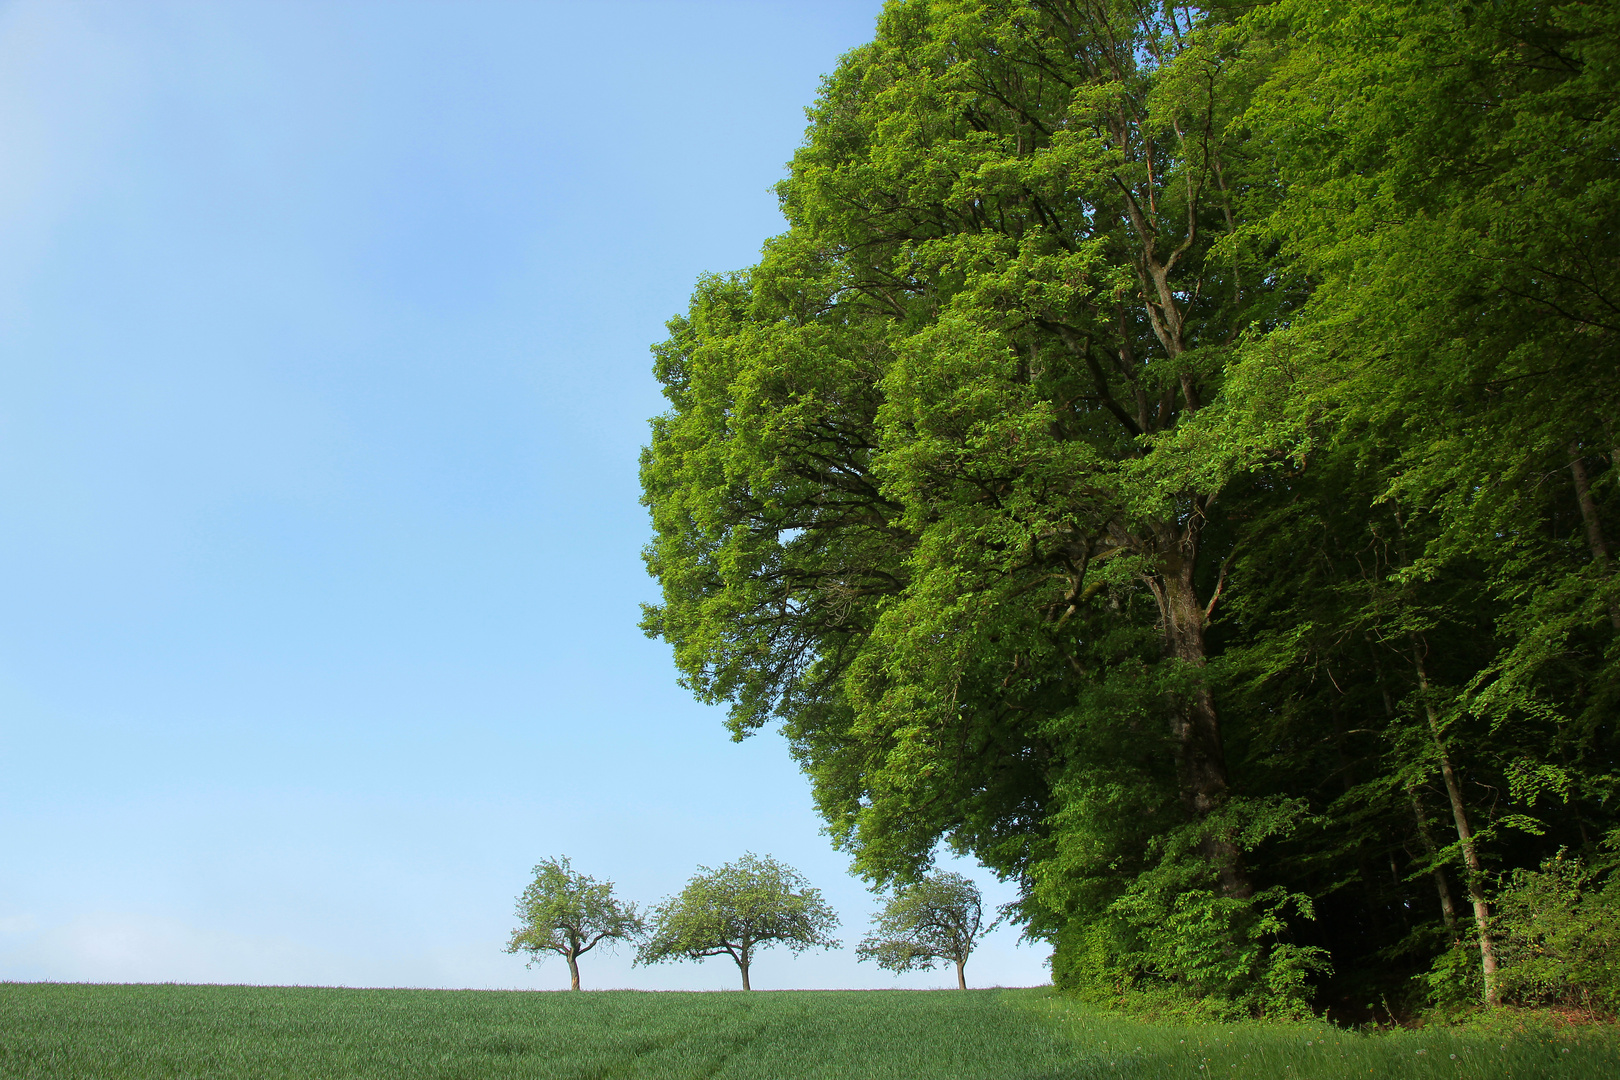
(742, 965)
(1448, 906)
(1196, 729)
(1594, 527)
(573, 971)
(961, 975)
(1442, 887)
(1465, 835)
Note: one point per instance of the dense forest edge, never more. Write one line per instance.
(1171, 458)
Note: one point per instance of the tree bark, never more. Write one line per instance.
(573, 971)
(961, 975)
(1448, 906)
(1594, 527)
(1465, 836)
(1196, 729)
(1442, 887)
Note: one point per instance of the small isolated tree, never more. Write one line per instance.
(939, 918)
(753, 902)
(570, 913)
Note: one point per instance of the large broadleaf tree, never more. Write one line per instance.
(1131, 467)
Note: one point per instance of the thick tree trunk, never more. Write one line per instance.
(1200, 759)
(961, 975)
(1594, 527)
(1465, 836)
(573, 971)
(742, 959)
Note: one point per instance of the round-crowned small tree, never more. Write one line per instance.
(938, 919)
(569, 913)
(744, 905)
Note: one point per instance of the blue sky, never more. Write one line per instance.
(323, 374)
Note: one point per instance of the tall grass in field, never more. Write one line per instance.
(196, 1032)
(1316, 1050)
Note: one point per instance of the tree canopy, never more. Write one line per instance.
(1170, 456)
(569, 913)
(752, 903)
(935, 920)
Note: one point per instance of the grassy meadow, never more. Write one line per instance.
(113, 1032)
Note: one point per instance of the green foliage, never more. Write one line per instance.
(1454, 981)
(1172, 457)
(1560, 930)
(937, 919)
(1450, 182)
(1174, 935)
(1087, 962)
(891, 496)
(742, 906)
(569, 913)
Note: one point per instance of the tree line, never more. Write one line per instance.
(740, 908)
(1171, 457)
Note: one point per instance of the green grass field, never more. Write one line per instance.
(89, 1032)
